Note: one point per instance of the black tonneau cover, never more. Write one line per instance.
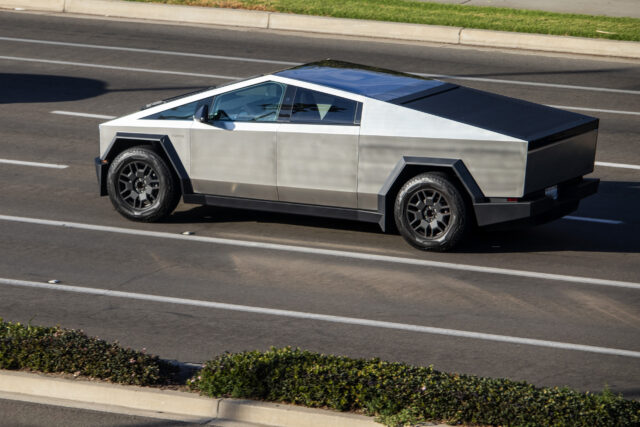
(538, 124)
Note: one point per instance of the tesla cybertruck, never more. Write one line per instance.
(341, 140)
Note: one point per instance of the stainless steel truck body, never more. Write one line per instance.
(348, 141)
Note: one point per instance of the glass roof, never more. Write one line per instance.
(376, 83)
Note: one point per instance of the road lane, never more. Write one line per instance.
(288, 63)
(195, 334)
(537, 308)
(461, 300)
(27, 413)
(189, 236)
(54, 285)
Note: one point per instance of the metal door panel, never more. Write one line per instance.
(318, 164)
(234, 159)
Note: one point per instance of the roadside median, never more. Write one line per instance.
(355, 390)
(616, 37)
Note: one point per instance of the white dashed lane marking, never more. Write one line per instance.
(34, 164)
(91, 116)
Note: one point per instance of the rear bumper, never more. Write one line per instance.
(101, 173)
(539, 210)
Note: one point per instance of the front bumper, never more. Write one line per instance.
(101, 172)
(538, 210)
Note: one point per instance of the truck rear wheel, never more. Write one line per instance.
(141, 186)
(430, 212)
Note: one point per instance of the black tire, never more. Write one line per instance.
(430, 212)
(141, 186)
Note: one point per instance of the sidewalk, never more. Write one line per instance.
(620, 8)
(168, 404)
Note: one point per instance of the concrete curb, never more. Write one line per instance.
(547, 43)
(172, 13)
(171, 404)
(335, 26)
(364, 28)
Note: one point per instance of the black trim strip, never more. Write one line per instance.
(283, 207)
(156, 140)
(402, 172)
(543, 207)
(101, 173)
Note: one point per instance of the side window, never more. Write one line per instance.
(310, 106)
(181, 112)
(259, 103)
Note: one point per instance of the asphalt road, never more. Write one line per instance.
(27, 414)
(503, 304)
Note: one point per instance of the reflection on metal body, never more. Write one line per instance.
(234, 159)
(389, 132)
(317, 164)
(379, 155)
(176, 131)
(509, 149)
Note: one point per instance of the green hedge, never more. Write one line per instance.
(53, 349)
(398, 393)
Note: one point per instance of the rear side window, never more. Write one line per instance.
(181, 112)
(310, 106)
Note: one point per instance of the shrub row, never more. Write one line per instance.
(398, 393)
(53, 349)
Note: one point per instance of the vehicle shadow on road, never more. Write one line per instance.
(31, 88)
(40, 88)
(559, 235)
(615, 201)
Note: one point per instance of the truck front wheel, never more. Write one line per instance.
(141, 186)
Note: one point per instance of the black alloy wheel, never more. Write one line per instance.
(141, 186)
(430, 212)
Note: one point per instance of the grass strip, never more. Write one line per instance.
(400, 394)
(396, 393)
(411, 11)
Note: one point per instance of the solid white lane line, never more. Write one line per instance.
(92, 116)
(323, 318)
(151, 51)
(35, 164)
(595, 110)
(271, 61)
(525, 83)
(113, 67)
(618, 165)
(328, 252)
(599, 220)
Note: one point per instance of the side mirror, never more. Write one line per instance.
(202, 113)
